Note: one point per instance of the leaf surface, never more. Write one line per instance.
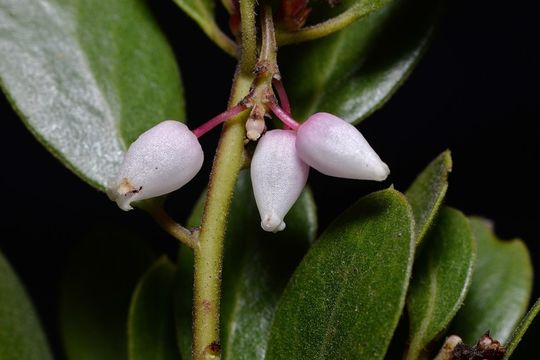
(21, 334)
(441, 278)
(427, 192)
(96, 291)
(500, 289)
(345, 299)
(353, 72)
(87, 78)
(151, 323)
(256, 269)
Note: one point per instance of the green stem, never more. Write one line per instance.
(168, 224)
(249, 35)
(268, 41)
(209, 250)
(355, 12)
(205, 19)
(228, 5)
(225, 43)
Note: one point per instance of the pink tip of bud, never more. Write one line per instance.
(336, 148)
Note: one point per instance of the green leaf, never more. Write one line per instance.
(500, 289)
(441, 278)
(526, 336)
(99, 281)
(21, 335)
(345, 298)
(427, 192)
(201, 11)
(353, 72)
(151, 333)
(87, 77)
(256, 268)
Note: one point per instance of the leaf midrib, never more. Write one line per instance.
(338, 299)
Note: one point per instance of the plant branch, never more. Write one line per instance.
(224, 42)
(209, 251)
(228, 5)
(204, 18)
(268, 42)
(249, 36)
(168, 224)
(353, 13)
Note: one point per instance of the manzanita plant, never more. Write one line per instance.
(253, 278)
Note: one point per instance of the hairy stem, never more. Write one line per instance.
(227, 164)
(155, 209)
(353, 13)
(249, 36)
(209, 250)
(214, 33)
(175, 229)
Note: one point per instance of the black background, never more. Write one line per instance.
(476, 91)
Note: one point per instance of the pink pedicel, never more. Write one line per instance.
(284, 116)
(216, 120)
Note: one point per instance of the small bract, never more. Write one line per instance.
(161, 160)
(336, 148)
(278, 177)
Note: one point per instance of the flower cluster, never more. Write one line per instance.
(166, 157)
(280, 166)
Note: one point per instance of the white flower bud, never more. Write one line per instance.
(161, 160)
(278, 177)
(336, 148)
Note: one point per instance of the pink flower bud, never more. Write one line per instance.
(336, 148)
(161, 160)
(278, 177)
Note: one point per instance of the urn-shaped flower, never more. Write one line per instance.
(336, 148)
(161, 160)
(278, 177)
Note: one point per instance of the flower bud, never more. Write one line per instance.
(336, 148)
(161, 160)
(278, 177)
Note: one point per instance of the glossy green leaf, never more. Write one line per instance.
(500, 289)
(346, 297)
(87, 77)
(21, 335)
(427, 192)
(256, 268)
(524, 341)
(100, 278)
(441, 278)
(353, 72)
(151, 333)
